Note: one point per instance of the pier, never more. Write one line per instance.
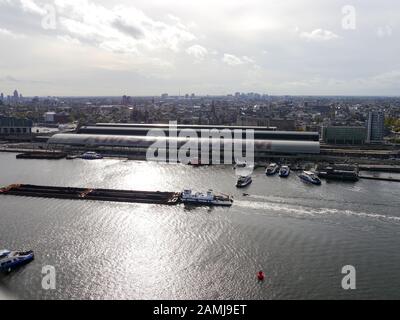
(150, 197)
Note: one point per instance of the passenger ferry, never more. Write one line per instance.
(284, 172)
(244, 181)
(209, 198)
(90, 155)
(310, 177)
(272, 169)
(10, 260)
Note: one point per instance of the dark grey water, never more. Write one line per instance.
(300, 235)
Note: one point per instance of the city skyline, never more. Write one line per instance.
(110, 48)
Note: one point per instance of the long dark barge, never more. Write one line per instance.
(42, 155)
(150, 197)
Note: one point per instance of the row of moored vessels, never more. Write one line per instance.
(283, 172)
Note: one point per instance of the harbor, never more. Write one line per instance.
(279, 222)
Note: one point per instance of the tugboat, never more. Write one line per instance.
(284, 172)
(90, 155)
(272, 169)
(209, 198)
(11, 260)
(310, 177)
(244, 181)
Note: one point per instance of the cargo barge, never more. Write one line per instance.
(111, 195)
(42, 155)
(150, 197)
(342, 175)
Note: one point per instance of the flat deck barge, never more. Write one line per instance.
(151, 197)
(42, 155)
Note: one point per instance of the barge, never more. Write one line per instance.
(331, 173)
(130, 196)
(151, 197)
(42, 155)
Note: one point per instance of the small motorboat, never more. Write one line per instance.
(310, 177)
(284, 172)
(261, 276)
(196, 162)
(11, 260)
(240, 164)
(272, 169)
(90, 155)
(244, 181)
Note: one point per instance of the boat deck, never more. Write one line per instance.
(150, 197)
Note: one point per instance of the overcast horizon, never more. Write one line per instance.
(148, 47)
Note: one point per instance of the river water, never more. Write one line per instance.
(299, 235)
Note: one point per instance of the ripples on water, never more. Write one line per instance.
(300, 235)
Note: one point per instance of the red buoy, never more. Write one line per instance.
(261, 276)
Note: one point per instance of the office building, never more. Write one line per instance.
(375, 127)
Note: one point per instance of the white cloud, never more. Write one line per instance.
(197, 51)
(319, 35)
(30, 5)
(122, 28)
(233, 60)
(8, 33)
(134, 44)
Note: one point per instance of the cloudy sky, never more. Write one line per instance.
(147, 47)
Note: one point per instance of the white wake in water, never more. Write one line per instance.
(309, 211)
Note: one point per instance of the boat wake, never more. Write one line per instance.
(310, 211)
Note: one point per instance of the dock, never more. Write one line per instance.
(150, 197)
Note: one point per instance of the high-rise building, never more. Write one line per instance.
(15, 97)
(2, 97)
(375, 127)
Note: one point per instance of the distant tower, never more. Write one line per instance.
(375, 127)
(15, 97)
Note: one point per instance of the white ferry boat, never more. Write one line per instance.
(208, 198)
(284, 172)
(272, 169)
(310, 177)
(244, 181)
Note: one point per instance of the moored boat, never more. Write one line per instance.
(284, 172)
(310, 177)
(11, 260)
(272, 169)
(330, 173)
